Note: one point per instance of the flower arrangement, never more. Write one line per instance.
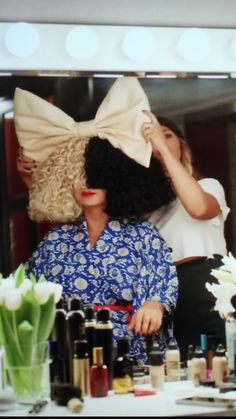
(225, 291)
(27, 314)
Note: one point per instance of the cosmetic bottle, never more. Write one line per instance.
(190, 355)
(81, 368)
(122, 369)
(172, 361)
(56, 364)
(208, 351)
(156, 367)
(199, 366)
(75, 303)
(59, 334)
(104, 338)
(99, 378)
(219, 366)
(90, 325)
(75, 331)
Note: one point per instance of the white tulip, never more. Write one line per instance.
(13, 299)
(42, 292)
(26, 286)
(8, 283)
(55, 289)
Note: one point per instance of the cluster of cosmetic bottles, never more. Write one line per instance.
(82, 352)
(207, 364)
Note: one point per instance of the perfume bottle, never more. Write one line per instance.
(123, 369)
(99, 378)
(104, 338)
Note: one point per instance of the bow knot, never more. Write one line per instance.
(41, 127)
(85, 129)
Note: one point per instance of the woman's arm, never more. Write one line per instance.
(158, 285)
(198, 203)
(25, 167)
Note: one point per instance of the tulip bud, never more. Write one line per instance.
(13, 299)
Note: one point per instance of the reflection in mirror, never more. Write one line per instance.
(203, 108)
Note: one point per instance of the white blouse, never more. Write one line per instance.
(187, 236)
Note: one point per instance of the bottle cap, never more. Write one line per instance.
(172, 344)
(103, 315)
(98, 355)
(198, 353)
(190, 352)
(220, 350)
(89, 313)
(122, 346)
(75, 303)
(81, 349)
(75, 405)
(156, 356)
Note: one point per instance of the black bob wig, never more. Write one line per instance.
(132, 190)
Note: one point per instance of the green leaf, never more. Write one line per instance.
(20, 275)
(32, 278)
(47, 318)
(42, 278)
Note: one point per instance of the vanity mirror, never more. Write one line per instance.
(197, 91)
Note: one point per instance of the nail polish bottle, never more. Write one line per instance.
(90, 325)
(81, 369)
(99, 378)
(122, 369)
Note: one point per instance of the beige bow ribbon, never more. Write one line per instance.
(41, 127)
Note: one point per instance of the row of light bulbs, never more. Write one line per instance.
(22, 40)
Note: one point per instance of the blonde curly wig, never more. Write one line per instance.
(51, 196)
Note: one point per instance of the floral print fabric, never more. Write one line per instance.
(129, 263)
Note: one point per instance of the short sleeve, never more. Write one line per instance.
(214, 187)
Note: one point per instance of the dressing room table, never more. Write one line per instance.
(163, 403)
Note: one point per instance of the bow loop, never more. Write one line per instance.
(41, 127)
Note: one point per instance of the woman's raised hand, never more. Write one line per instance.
(152, 131)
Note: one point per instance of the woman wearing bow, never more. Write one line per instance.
(104, 252)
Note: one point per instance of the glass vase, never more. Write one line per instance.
(230, 332)
(29, 375)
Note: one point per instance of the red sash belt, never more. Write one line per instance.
(115, 307)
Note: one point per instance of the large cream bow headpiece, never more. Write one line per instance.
(41, 127)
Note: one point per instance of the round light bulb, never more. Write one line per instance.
(82, 43)
(194, 45)
(139, 44)
(22, 39)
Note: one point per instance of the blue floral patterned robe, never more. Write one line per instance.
(130, 262)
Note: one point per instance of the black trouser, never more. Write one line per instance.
(194, 314)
